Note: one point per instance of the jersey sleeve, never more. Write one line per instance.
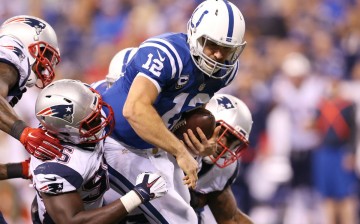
(158, 60)
(13, 52)
(56, 178)
(217, 179)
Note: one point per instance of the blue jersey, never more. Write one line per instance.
(166, 61)
(100, 86)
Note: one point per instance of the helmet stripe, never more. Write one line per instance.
(125, 60)
(231, 21)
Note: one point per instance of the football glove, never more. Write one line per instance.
(41, 144)
(150, 186)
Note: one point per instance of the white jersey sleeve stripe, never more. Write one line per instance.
(152, 80)
(171, 47)
(171, 58)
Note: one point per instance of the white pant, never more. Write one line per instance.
(125, 165)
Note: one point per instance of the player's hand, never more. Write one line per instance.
(150, 186)
(190, 167)
(41, 144)
(204, 146)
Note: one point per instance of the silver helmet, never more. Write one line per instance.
(72, 110)
(235, 118)
(118, 64)
(219, 23)
(41, 41)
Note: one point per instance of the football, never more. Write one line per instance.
(199, 117)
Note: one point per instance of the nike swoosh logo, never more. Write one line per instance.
(50, 178)
(161, 58)
(149, 185)
(31, 135)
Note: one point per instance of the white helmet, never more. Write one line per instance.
(41, 41)
(220, 22)
(236, 121)
(71, 110)
(118, 64)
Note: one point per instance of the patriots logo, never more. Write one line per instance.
(224, 103)
(53, 188)
(63, 112)
(17, 51)
(39, 26)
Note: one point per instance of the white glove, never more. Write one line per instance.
(150, 186)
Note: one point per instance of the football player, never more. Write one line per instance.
(219, 170)
(168, 75)
(70, 189)
(116, 69)
(28, 55)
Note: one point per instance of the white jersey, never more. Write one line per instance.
(126, 163)
(213, 178)
(79, 169)
(13, 52)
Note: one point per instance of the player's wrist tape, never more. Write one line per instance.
(130, 200)
(14, 170)
(17, 129)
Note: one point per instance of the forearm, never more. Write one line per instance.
(14, 170)
(7, 116)
(107, 214)
(224, 208)
(69, 209)
(241, 217)
(149, 126)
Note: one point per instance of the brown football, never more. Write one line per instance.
(199, 117)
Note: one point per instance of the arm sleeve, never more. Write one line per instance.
(55, 178)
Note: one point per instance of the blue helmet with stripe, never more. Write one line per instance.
(217, 22)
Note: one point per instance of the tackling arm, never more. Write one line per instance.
(223, 206)
(68, 208)
(8, 78)
(41, 145)
(15, 170)
(147, 123)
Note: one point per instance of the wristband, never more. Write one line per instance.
(26, 169)
(17, 129)
(14, 170)
(130, 200)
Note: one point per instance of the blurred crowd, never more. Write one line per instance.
(299, 75)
